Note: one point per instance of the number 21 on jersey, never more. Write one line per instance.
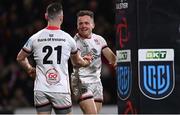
(48, 50)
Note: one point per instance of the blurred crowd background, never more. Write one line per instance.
(19, 19)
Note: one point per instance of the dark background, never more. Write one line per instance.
(20, 19)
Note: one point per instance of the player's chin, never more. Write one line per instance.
(85, 31)
(86, 34)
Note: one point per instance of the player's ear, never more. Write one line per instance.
(60, 18)
(46, 16)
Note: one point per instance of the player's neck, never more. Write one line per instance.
(54, 24)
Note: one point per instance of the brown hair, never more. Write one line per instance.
(85, 12)
(54, 9)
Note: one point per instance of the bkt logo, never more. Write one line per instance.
(156, 80)
(156, 55)
(123, 56)
(124, 79)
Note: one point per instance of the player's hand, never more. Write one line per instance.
(88, 57)
(115, 65)
(32, 72)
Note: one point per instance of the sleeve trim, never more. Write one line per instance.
(27, 51)
(104, 47)
(74, 52)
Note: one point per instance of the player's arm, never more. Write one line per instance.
(79, 61)
(23, 61)
(110, 56)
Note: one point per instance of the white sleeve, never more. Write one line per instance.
(28, 46)
(103, 43)
(74, 46)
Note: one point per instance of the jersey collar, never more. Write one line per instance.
(79, 36)
(53, 28)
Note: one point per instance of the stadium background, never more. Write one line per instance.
(20, 19)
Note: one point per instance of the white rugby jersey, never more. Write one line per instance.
(93, 45)
(51, 48)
